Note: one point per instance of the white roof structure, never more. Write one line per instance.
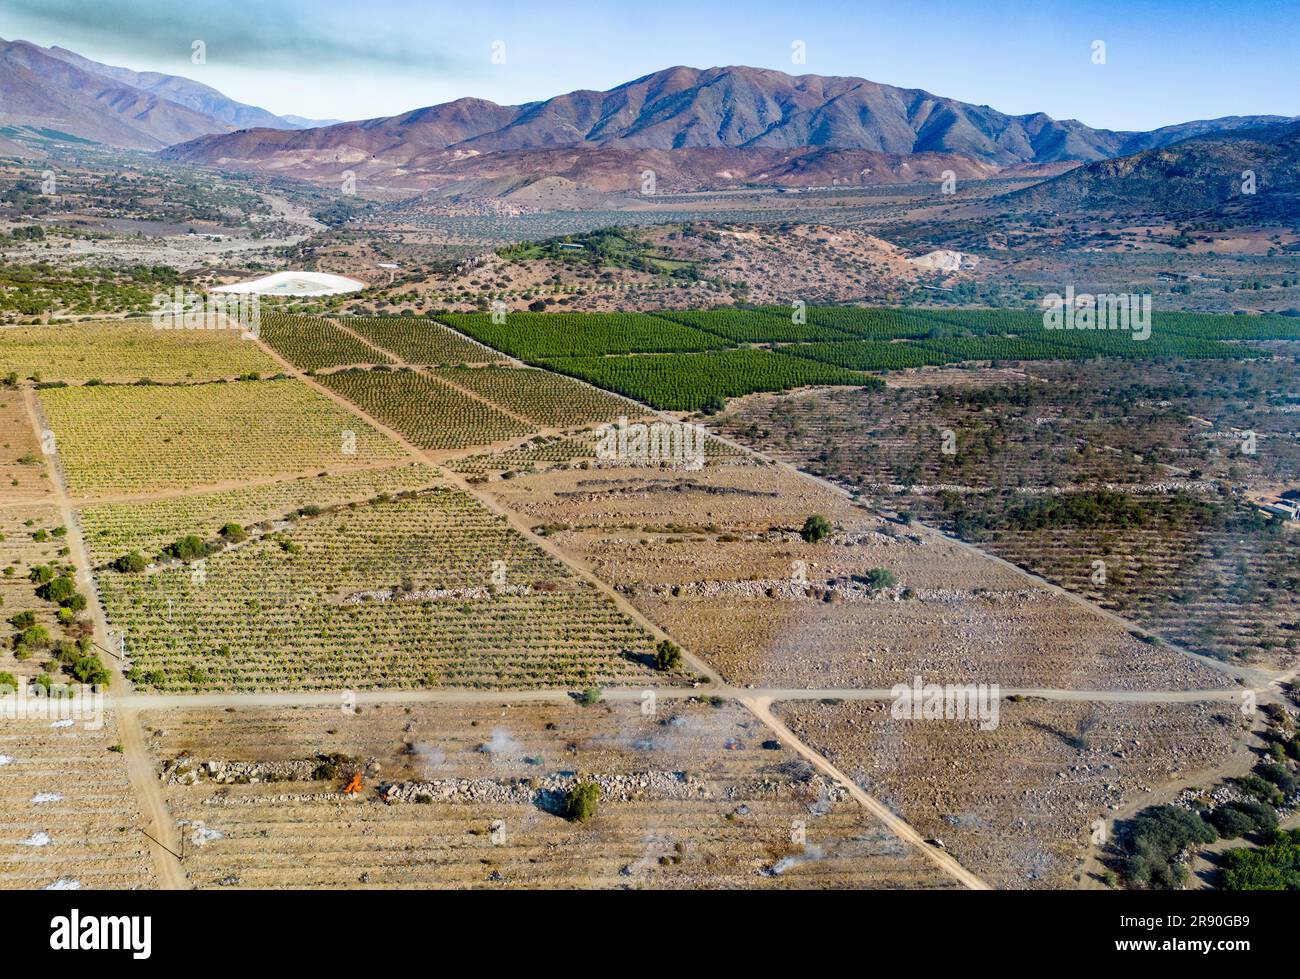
(295, 284)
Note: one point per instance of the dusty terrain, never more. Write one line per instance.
(1018, 803)
(466, 796)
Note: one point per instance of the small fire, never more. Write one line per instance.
(353, 787)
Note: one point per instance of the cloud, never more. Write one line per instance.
(279, 34)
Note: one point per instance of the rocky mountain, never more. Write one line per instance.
(56, 91)
(691, 108)
(1204, 173)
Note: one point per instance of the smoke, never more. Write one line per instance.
(41, 838)
(41, 797)
(500, 744)
(5, 760)
(810, 854)
(429, 758)
(63, 884)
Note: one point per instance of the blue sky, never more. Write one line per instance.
(1166, 61)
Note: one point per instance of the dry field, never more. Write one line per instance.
(126, 351)
(1017, 804)
(715, 558)
(22, 464)
(142, 439)
(1127, 484)
(692, 799)
(68, 818)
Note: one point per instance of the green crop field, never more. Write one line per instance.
(147, 526)
(313, 342)
(549, 399)
(536, 336)
(689, 382)
(767, 325)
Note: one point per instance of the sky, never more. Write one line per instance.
(1165, 61)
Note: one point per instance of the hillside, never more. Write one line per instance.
(1196, 175)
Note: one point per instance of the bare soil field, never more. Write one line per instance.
(715, 558)
(68, 818)
(22, 465)
(471, 796)
(1017, 804)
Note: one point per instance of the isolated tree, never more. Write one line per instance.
(581, 802)
(668, 656)
(815, 528)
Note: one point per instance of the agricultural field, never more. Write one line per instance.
(534, 337)
(1127, 484)
(551, 400)
(135, 439)
(686, 371)
(30, 536)
(147, 526)
(128, 350)
(314, 342)
(68, 818)
(1017, 804)
(421, 342)
(471, 795)
(576, 449)
(426, 411)
(717, 560)
(418, 589)
(769, 325)
(690, 382)
(23, 474)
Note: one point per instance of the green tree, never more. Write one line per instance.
(815, 528)
(581, 802)
(668, 656)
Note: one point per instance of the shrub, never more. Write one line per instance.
(881, 578)
(581, 802)
(590, 696)
(191, 547)
(1236, 819)
(33, 637)
(233, 533)
(88, 669)
(58, 590)
(668, 656)
(23, 620)
(815, 528)
(1154, 838)
(132, 563)
(8, 683)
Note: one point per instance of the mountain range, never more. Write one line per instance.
(695, 128)
(53, 91)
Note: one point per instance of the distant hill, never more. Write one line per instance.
(57, 90)
(1200, 174)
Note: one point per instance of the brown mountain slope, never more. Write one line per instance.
(49, 93)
